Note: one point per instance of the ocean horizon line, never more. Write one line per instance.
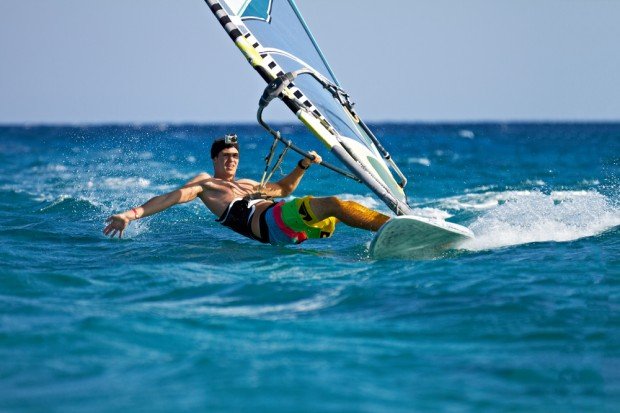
(155, 124)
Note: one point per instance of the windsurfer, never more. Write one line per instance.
(249, 210)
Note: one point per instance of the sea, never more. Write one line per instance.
(183, 315)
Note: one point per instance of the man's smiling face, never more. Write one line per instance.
(225, 163)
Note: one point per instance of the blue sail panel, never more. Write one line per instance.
(257, 10)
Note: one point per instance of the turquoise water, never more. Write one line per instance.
(183, 315)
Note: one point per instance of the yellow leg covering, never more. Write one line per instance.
(356, 215)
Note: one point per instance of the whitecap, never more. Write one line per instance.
(145, 155)
(56, 201)
(593, 182)
(179, 135)
(50, 168)
(466, 133)
(419, 161)
(205, 306)
(535, 182)
(136, 228)
(66, 197)
(123, 183)
(431, 213)
(56, 168)
(480, 188)
(537, 217)
(480, 201)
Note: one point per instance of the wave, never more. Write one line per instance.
(69, 203)
(431, 213)
(229, 307)
(420, 161)
(481, 201)
(51, 167)
(123, 183)
(467, 134)
(90, 210)
(534, 182)
(590, 182)
(521, 217)
(480, 188)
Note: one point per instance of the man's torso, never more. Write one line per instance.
(218, 194)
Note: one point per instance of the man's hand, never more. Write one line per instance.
(317, 159)
(116, 224)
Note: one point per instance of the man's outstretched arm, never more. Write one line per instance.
(117, 223)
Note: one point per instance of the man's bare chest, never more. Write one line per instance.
(233, 188)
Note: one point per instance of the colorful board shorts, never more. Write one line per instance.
(294, 222)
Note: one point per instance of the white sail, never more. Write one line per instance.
(275, 39)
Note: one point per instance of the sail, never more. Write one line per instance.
(275, 39)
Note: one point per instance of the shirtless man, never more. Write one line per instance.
(234, 202)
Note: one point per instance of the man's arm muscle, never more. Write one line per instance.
(286, 185)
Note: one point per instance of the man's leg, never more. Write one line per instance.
(349, 212)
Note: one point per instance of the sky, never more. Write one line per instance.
(169, 61)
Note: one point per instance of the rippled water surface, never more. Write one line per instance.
(184, 315)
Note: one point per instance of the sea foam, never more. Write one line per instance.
(533, 216)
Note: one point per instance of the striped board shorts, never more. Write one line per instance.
(293, 222)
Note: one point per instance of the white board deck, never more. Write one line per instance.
(409, 236)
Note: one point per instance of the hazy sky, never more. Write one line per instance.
(80, 61)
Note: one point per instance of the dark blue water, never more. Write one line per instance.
(184, 315)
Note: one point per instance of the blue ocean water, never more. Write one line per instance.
(183, 315)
